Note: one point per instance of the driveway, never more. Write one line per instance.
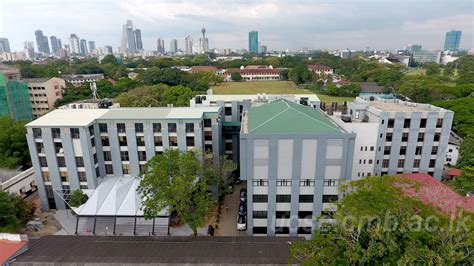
(228, 219)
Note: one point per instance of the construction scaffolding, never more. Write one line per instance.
(15, 99)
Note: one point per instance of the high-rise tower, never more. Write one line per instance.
(452, 41)
(203, 41)
(253, 41)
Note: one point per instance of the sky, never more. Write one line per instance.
(290, 24)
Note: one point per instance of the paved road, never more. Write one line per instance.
(228, 220)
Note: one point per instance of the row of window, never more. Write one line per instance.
(407, 123)
(288, 182)
(403, 150)
(121, 128)
(280, 230)
(158, 140)
(263, 198)
(365, 148)
(401, 163)
(421, 137)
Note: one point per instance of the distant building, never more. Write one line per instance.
(131, 39)
(91, 46)
(74, 47)
(14, 97)
(43, 93)
(108, 49)
(54, 44)
(253, 41)
(254, 73)
(188, 44)
(174, 46)
(368, 89)
(83, 47)
(4, 46)
(160, 46)
(203, 42)
(263, 49)
(81, 79)
(452, 40)
(138, 39)
(427, 57)
(29, 49)
(42, 42)
(318, 69)
(415, 48)
(452, 153)
(196, 69)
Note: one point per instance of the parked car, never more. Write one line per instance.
(243, 194)
(242, 222)
(243, 208)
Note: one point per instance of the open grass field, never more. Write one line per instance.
(339, 99)
(414, 72)
(254, 87)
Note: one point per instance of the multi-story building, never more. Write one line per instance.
(74, 46)
(14, 97)
(254, 73)
(4, 46)
(54, 44)
(174, 46)
(77, 148)
(91, 46)
(427, 56)
(43, 93)
(188, 44)
(29, 49)
(137, 33)
(452, 40)
(81, 79)
(41, 42)
(160, 46)
(83, 47)
(319, 69)
(292, 157)
(203, 42)
(253, 41)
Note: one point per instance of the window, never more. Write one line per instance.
(39, 147)
(304, 230)
(259, 214)
(121, 128)
(391, 123)
(103, 128)
(156, 127)
(208, 135)
(141, 168)
(306, 198)
(95, 158)
(416, 163)
(372, 148)
(371, 161)
(386, 150)
(388, 137)
(327, 214)
(305, 214)
(140, 141)
(401, 163)
(93, 142)
(306, 182)
(361, 148)
(46, 176)
(56, 133)
(109, 170)
(64, 176)
(423, 123)
(283, 198)
(79, 162)
(228, 110)
(418, 150)
(124, 156)
(439, 122)
(421, 137)
(105, 141)
(283, 182)
(434, 150)
(138, 128)
(208, 147)
(432, 163)
(91, 130)
(228, 146)
(58, 147)
(190, 141)
(61, 161)
(207, 123)
(330, 182)
(330, 198)
(437, 137)
(158, 141)
(404, 137)
(282, 214)
(403, 150)
(75, 133)
(122, 140)
(126, 169)
(189, 127)
(173, 141)
(259, 230)
(82, 176)
(406, 123)
(283, 230)
(259, 198)
(142, 155)
(260, 182)
(37, 133)
(172, 127)
(42, 161)
(107, 156)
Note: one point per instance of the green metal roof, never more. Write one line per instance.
(286, 117)
(231, 123)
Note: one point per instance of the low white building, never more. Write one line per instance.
(452, 153)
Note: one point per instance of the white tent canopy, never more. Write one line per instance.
(115, 196)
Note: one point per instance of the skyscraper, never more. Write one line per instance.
(108, 49)
(160, 46)
(4, 45)
(60, 44)
(203, 42)
(128, 38)
(74, 44)
(42, 42)
(253, 41)
(83, 47)
(29, 49)
(453, 38)
(54, 44)
(188, 44)
(174, 46)
(91, 46)
(138, 39)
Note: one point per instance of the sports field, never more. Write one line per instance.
(254, 87)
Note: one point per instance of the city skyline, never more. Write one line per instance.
(311, 23)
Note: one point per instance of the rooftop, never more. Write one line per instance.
(397, 107)
(255, 97)
(36, 80)
(371, 87)
(68, 117)
(157, 250)
(286, 117)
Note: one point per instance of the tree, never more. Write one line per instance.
(178, 96)
(235, 76)
(143, 96)
(300, 74)
(466, 152)
(109, 59)
(465, 183)
(377, 223)
(77, 198)
(448, 72)
(218, 174)
(14, 212)
(432, 69)
(13, 145)
(172, 180)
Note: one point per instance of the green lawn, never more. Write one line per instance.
(418, 71)
(254, 87)
(339, 99)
